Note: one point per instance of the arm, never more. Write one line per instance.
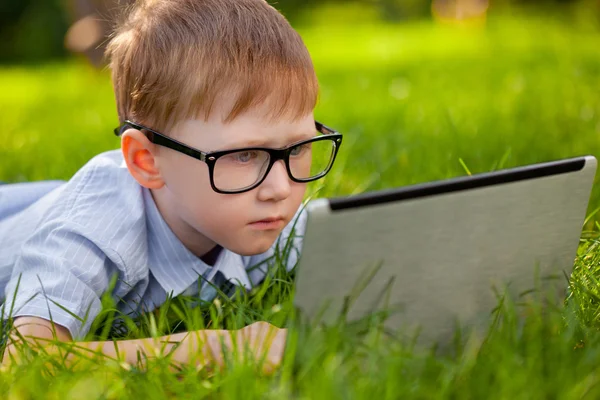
(203, 347)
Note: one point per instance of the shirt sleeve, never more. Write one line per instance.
(59, 276)
(15, 197)
(66, 264)
(285, 251)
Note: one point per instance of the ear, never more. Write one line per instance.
(140, 156)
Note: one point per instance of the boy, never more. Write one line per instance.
(218, 140)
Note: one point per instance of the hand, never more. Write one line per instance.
(259, 342)
(265, 342)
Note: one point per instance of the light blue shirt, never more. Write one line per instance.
(65, 241)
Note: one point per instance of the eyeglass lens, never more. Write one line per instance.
(243, 169)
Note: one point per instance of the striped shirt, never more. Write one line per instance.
(62, 242)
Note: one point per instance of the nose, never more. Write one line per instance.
(276, 185)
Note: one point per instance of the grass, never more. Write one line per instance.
(416, 103)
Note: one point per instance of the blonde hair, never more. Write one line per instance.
(178, 59)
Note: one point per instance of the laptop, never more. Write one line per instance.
(436, 256)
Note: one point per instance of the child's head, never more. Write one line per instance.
(214, 75)
(177, 59)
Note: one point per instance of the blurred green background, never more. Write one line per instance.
(422, 90)
(34, 30)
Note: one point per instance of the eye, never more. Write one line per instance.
(300, 150)
(245, 156)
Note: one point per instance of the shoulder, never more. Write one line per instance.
(102, 185)
(103, 204)
(106, 169)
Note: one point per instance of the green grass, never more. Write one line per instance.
(416, 103)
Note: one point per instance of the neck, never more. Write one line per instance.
(193, 240)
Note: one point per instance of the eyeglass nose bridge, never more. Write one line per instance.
(274, 156)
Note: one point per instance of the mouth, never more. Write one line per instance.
(273, 219)
(268, 223)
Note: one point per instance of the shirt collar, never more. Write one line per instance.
(173, 265)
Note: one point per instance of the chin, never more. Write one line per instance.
(259, 247)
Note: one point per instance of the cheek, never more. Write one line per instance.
(189, 186)
(298, 192)
(186, 176)
(215, 214)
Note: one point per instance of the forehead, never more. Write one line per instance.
(246, 130)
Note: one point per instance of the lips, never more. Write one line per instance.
(267, 220)
(268, 224)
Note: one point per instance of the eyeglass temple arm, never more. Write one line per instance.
(324, 129)
(162, 140)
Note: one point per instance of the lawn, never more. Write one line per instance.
(416, 102)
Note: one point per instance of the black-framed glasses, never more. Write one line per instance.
(242, 169)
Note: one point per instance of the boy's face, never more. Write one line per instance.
(198, 215)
